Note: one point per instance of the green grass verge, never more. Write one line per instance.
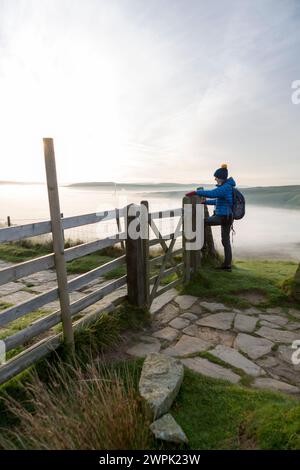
(218, 415)
(266, 277)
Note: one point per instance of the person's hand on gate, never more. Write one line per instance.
(192, 193)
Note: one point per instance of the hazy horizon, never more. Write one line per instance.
(159, 91)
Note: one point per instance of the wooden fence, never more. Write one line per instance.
(142, 288)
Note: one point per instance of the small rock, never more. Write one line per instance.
(205, 367)
(196, 309)
(276, 385)
(274, 319)
(221, 321)
(254, 347)
(179, 323)
(251, 311)
(167, 314)
(213, 307)
(279, 336)
(160, 382)
(245, 323)
(166, 429)
(235, 359)
(162, 300)
(146, 346)
(185, 301)
(190, 316)
(186, 346)
(167, 333)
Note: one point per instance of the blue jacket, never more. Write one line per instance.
(222, 197)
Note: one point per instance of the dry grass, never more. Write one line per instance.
(92, 408)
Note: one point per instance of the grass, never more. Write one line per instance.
(266, 277)
(218, 415)
(86, 408)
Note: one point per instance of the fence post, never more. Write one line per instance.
(186, 213)
(135, 258)
(195, 254)
(58, 241)
(145, 240)
(8, 221)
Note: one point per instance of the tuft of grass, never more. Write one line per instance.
(264, 277)
(80, 408)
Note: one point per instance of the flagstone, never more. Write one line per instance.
(213, 307)
(186, 346)
(209, 369)
(276, 385)
(252, 346)
(185, 301)
(234, 358)
(221, 321)
(279, 336)
(245, 323)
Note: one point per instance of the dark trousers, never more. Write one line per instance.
(225, 223)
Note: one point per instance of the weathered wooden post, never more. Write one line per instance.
(145, 240)
(186, 214)
(135, 257)
(196, 252)
(58, 241)
(8, 221)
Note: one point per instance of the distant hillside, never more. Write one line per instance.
(274, 196)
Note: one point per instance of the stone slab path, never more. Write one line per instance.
(226, 343)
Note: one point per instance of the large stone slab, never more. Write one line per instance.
(269, 324)
(185, 301)
(267, 362)
(279, 336)
(290, 374)
(205, 367)
(145, 346)
(276, 385)
(160, 382)
(167, 333)
(274, 310)
(167, 314)
(179, 323)
(18, 297)
(278, 320)
(211, 335)
(167, 429)
(294, 312)
(40, 278)
(10, 288)
(162, 300)
(245, 323)
(221, 321)
(234, 358)
(187, 345)
(213, 307)
(252, 346)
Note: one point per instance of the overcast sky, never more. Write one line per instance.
(150, 90)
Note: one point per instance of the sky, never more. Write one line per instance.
(150, 90)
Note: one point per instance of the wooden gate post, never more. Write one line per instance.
(196, 253)
(135, 258)
(58, 241)
(186, 214)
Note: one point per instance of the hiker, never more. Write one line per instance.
(222, 199)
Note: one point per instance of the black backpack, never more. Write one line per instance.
(239, 203)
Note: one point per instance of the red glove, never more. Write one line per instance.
(192, 193)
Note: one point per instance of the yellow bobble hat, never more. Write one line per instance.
(222, 173)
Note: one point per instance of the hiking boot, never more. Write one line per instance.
(224, 268)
